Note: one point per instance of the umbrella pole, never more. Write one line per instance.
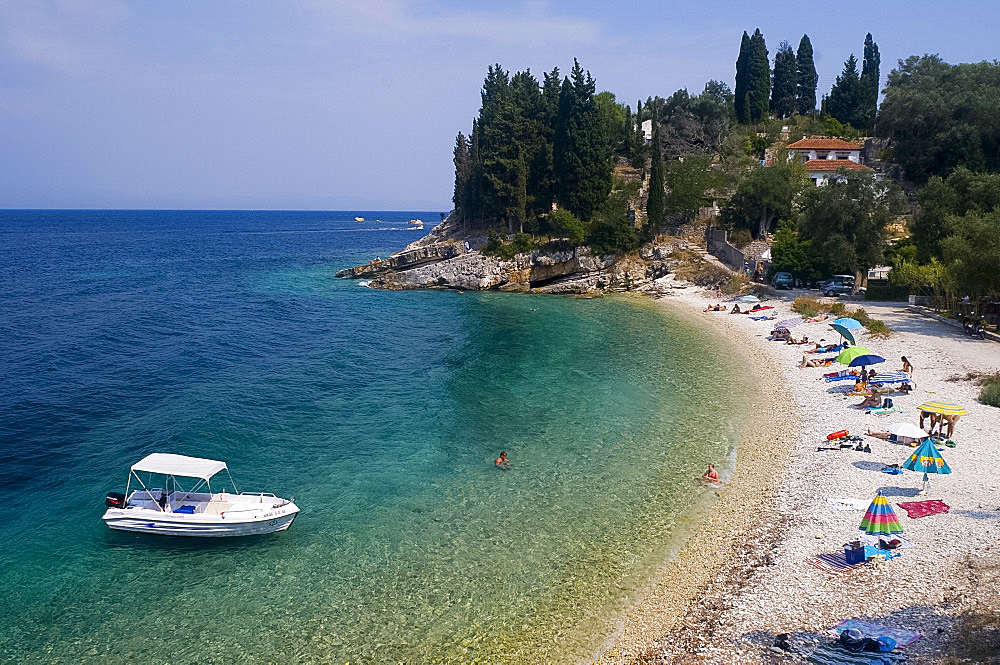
(927, 484)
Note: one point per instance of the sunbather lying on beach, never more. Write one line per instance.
(819, 348)
(870, 402)
(814, 319)
(781, 335)
(814, 362)
(885, 436)
(715, 308)
(792, 340)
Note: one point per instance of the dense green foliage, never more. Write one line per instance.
(610, 231)
(844, 222)
(805, 78)
(763, 196)
(783, 86)
(990, 394)
(846, 97)
(942, 116)
(533, 144)
(690, 182)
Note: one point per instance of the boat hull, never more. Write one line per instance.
(169, 524)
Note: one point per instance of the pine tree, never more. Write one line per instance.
(869, 84)
(743, 81)
(845, 101)
(656, 202)
(759, 89)
(581, 159)
(783, 87)
(806, 78)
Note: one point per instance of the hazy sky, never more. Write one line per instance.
(343, 104)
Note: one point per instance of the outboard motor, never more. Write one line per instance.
(115, 500)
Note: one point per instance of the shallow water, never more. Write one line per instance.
(225, 335)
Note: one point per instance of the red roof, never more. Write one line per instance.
(834, 165)
(823, 144)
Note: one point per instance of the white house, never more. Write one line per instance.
(824, 157)
(647, 131)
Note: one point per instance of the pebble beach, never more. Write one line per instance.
(746, 577)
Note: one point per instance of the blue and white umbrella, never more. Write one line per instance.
(891, 377)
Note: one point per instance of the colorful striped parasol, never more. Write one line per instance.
(788, 324)
(944, 408)
(926, 458)
(879, 519)
(891, 377)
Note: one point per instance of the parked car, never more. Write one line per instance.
(837, 285)
(783, 280)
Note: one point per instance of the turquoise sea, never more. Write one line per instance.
(226, 335)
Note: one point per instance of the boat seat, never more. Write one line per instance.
(216, 507)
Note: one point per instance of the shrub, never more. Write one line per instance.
(990, 394)
(807, 307)
(735, 285)
(878, 329)
(838, 309)
(740, 238)
(496, 247)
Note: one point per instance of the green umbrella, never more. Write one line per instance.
(847, 355)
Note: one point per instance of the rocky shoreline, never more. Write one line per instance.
(448, 259)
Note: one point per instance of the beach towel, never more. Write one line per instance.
(879, 553)
(759, 318)
(834, 654)
(915, 509)
(883, 411)
(848, 504)
(842, 377)
(874, 631)
(833, 562)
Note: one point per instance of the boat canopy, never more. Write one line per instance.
(179, 465)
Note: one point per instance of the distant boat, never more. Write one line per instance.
(416, 222)
(359, 219)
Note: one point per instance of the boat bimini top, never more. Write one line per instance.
(168, 464)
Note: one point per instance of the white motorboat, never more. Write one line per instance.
(173, 511)
(359, 219)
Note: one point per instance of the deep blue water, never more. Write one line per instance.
(226, 335)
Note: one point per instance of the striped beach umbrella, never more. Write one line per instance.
(788, 324)
(847, 355)
(891, 377)
(926, 458)
(880, 519)
(944, 408)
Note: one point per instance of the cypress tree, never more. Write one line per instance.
(743, 81)
(475, 183)
(783, 87)
(759, 89)
(845, 100)
(869, 84)
(806, 78)
(656, 202)
(463, 173)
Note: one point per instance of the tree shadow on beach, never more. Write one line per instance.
(865, 465)
(977, 514)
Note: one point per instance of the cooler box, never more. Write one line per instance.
(854, 556)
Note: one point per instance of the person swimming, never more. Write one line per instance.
(710, 476)
(502, 462)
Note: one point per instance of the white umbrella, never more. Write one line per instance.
(909, 430)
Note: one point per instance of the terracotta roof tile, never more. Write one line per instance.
(823, 144)
(834, 165)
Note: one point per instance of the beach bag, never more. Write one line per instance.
(886, 644)
(887, 403)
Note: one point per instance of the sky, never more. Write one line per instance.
(355, 104)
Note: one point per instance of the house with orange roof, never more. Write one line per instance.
(824, 157)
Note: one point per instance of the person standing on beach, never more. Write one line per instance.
(907, 367)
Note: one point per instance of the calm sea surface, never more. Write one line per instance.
(226, 335)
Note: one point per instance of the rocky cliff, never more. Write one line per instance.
(447, 258)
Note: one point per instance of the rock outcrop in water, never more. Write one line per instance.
(447, 258)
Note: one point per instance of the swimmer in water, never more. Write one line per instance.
(502, 462)
(710, 476)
